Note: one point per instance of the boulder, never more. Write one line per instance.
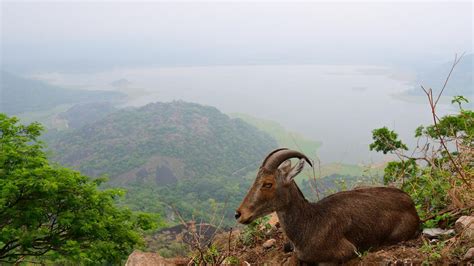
(465, 225)
(269, 243)
(437, 232)
(469, 256)
(138, 258)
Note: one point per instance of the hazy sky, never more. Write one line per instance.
(76, 39)
(107, 33)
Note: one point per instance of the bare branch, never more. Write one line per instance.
(455, 62)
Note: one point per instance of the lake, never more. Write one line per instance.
(338, 105)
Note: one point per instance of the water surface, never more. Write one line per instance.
(338, 105)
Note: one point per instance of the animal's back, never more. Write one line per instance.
(372, 217)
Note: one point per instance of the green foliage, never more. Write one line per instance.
(432, 250)
(438, 219)
(206, 152)
(232, 260)
(54, 212)
(203, 197)
(429, 191)
(201, 140)
(174, 249)
(402, 170)
(255, 231)
(362, 254)
(386, 140)
(459, 100)
(212, 253)
(460, 125)
(213, 256)
(429, 178)
(82, 114)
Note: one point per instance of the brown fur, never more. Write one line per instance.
(333, 229)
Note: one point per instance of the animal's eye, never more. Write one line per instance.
(267, 185)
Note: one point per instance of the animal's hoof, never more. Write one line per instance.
(288, 247)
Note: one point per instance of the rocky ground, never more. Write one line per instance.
(449, 246)
(442, 246)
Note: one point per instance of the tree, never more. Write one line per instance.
(386, 140)
(51, 212)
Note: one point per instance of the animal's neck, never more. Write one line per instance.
(294, 218)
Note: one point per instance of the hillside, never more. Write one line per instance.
(334, 176)
(19, 95)
(285, 138)
(80, 115)
(460, 82)
(162, 141)
(179, 154)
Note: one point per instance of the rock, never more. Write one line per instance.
(269, 243)
(273, 220)
(465, 225)
(469, 255)
(144, 258)
(437, 232)
(138, 258)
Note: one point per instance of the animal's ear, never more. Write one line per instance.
(294, 171)
(285, 167)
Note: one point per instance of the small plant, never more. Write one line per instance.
(211, 255)
(172, 250)
(255, 231)
(203, 248)
(432, 250)
(445, 218)
(233, 260)
(362, 254)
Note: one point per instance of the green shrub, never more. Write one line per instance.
(255, 231)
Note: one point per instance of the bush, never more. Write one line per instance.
(437, 174)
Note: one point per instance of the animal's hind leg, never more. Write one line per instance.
(406, 229)
(341, 252)
(346, 250)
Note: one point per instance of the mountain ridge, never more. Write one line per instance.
(19, 95)
(129, 138)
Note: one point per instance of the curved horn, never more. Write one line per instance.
(276, 157)
(270, 154)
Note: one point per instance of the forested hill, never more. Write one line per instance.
(18, 95)
(162, 143)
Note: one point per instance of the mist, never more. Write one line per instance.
(86, 36)
(330, 70)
